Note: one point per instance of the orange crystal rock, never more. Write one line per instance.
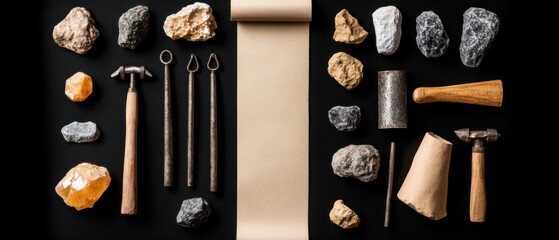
(83, 185)
(78, 87)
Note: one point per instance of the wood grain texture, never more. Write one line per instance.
(486, 93)
(477, 189)
(129, 175)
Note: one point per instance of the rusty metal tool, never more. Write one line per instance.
(213, 66)
(192, 68)
(477, 189)
(129, 176)
(168, 123)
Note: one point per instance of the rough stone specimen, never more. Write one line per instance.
(358, 161)
(345, 118)
(348, 29)
(133, 27)
(478, 31)
(77, 31)
(193, 212)
(80, 132)
(387, 22)
(343, 216)
(78, 87)
(83, 185)
(347, 70)
(194, 22)
(431, 38)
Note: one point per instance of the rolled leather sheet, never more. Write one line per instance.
(272, 118)
(426, 185)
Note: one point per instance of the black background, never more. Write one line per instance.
(158, 206)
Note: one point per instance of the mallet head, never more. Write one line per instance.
(466, 135)
(123, 70)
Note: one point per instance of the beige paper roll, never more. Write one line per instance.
(272, 118)
(426, 185)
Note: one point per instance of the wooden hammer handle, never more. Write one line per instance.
(129, 176)
(487, 93)
(477, 190)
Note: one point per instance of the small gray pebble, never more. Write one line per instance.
(133, 27)
(431, 38)
(345, 118)
(357, 161)
(80, 132)
(193, 212)
(478, 32)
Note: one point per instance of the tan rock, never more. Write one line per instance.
(347, 70)
(343, 216)
(194, 22)
(348, 29)
(76, 32)
(83, 185)
(78, 87)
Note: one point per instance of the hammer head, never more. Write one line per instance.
(466, 135)
(122, 70)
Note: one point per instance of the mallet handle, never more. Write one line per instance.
(487, 93)
(477, 190)
(129, 176)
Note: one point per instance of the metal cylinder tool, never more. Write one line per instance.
(192, 68)
(168, 124)
(213, 65)
(392, 99)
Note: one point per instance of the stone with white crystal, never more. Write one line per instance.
(387, 22)
(194, 22)
(431, 38)
(478, 32)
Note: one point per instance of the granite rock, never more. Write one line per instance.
(80, 132)
(194, 22)
(77, 31)
(347, 70)
(133, 27)
(478, 32)
(343, 216)
(348, 29)
(345, 118)
(193, 212)
(387, 22)
(357, 161)
(431, 38)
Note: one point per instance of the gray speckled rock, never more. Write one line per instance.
(358, 161)
(387, 22)
(80, 132)
(76, 32)
(193, 212)
(431, 38)
(478, 31)
(133, 27)
(345, 118)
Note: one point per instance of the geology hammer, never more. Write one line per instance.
(129, 176)
(477, 189)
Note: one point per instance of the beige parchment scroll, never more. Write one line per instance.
(272, 118)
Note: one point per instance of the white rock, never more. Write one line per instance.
(387, 22)
(194, 22)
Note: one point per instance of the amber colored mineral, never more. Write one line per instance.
(78, 87)
(83, 185)
(343, 216)
(348, 29)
